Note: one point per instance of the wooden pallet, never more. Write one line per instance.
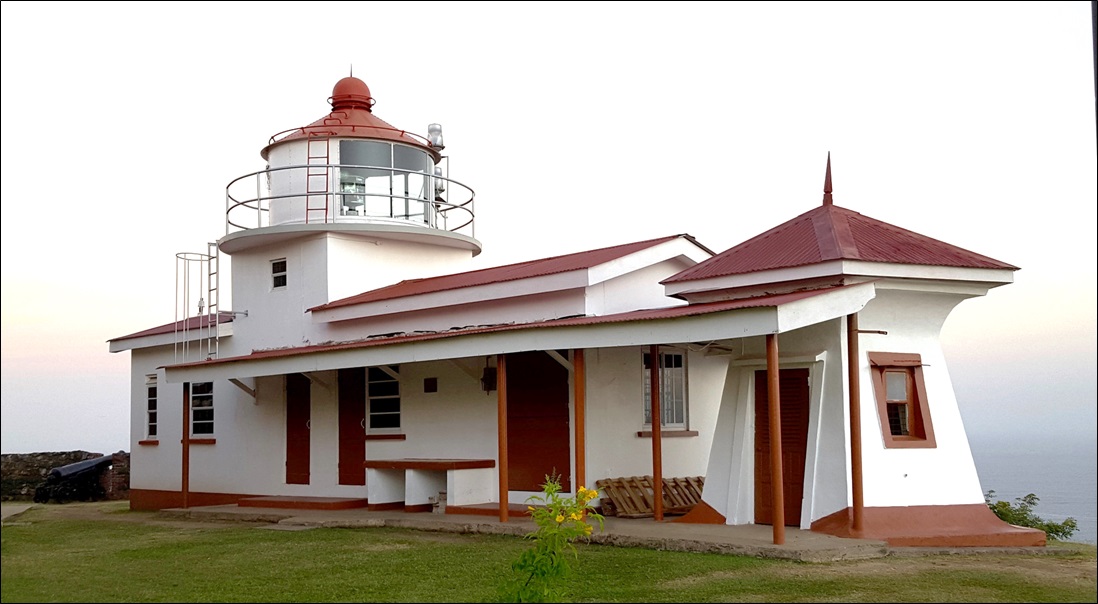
(633, 496)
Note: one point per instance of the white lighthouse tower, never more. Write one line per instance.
(346, 204)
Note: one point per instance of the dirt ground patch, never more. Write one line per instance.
(115, 511)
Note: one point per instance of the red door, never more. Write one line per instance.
(537, 421)
(352, 426)
(793, 392)
(297, 429)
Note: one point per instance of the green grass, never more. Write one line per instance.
(50, 558)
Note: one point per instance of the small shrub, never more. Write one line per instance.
(1021, 514)
(540, 570)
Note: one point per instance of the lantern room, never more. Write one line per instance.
(349, 171)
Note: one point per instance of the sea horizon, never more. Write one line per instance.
(1060, 470)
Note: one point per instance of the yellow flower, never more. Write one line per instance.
(591, 494)
(575, 516)
(560, 518)
(530, 507)
(581, 490)
(587, 529)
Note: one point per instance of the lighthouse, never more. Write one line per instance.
(345, 204)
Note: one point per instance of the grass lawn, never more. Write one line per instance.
(110, 554)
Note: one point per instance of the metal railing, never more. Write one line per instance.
(249, 199)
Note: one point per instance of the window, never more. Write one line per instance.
(383, 397)
(672, 376)
(901, 400)
(150, 407)
(278, 273)
(202, 412)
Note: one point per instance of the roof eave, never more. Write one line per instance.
(858, 269)
(224, 330)
(750, 319)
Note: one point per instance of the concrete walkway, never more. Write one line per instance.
(11, 510)
(749, 540)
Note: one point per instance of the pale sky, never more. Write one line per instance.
(579, 125)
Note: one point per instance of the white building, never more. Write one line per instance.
(362, 368)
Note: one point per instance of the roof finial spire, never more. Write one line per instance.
(827, 182)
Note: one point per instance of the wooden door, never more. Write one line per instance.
(537, 421)
(298, 414)
(352, 426)
(793, 392)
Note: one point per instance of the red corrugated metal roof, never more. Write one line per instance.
(829, 232)
(351, 117)
(510, 272)
(190, 324)
(672, 312)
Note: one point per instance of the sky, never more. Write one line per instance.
(579, 126)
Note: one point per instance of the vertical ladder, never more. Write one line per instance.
(196, 276)
(213, 295)
(317, 181)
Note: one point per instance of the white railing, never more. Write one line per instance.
(249, 199)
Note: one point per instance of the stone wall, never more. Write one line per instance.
(21, 473)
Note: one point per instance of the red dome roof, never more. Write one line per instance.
(351, 93)
(351, 117)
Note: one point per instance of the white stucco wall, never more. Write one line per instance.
(615, 413)
(358, 263)
(635, 290)
(250, 450)
(155, 467)
(250, 454)
(943, 475)
(459, 420)
(946, 474)
(276, 316)
(235, 464)
(320, 268)
(730, 479)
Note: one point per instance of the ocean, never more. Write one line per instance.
(1061, 472)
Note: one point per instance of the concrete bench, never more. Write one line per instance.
(411, 483)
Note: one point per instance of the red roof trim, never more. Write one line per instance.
(511, 272)
(673, 312)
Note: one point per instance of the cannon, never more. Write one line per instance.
(78, 481)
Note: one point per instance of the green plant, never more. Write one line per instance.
(1021, 514)
(541, 568)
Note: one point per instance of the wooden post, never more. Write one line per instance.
(773, 391)
(657, 444)
(579, 388)
(501, 413)
(186, 481)
(852, 361)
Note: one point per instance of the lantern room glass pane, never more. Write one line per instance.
(366, 153)
(410, 158)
